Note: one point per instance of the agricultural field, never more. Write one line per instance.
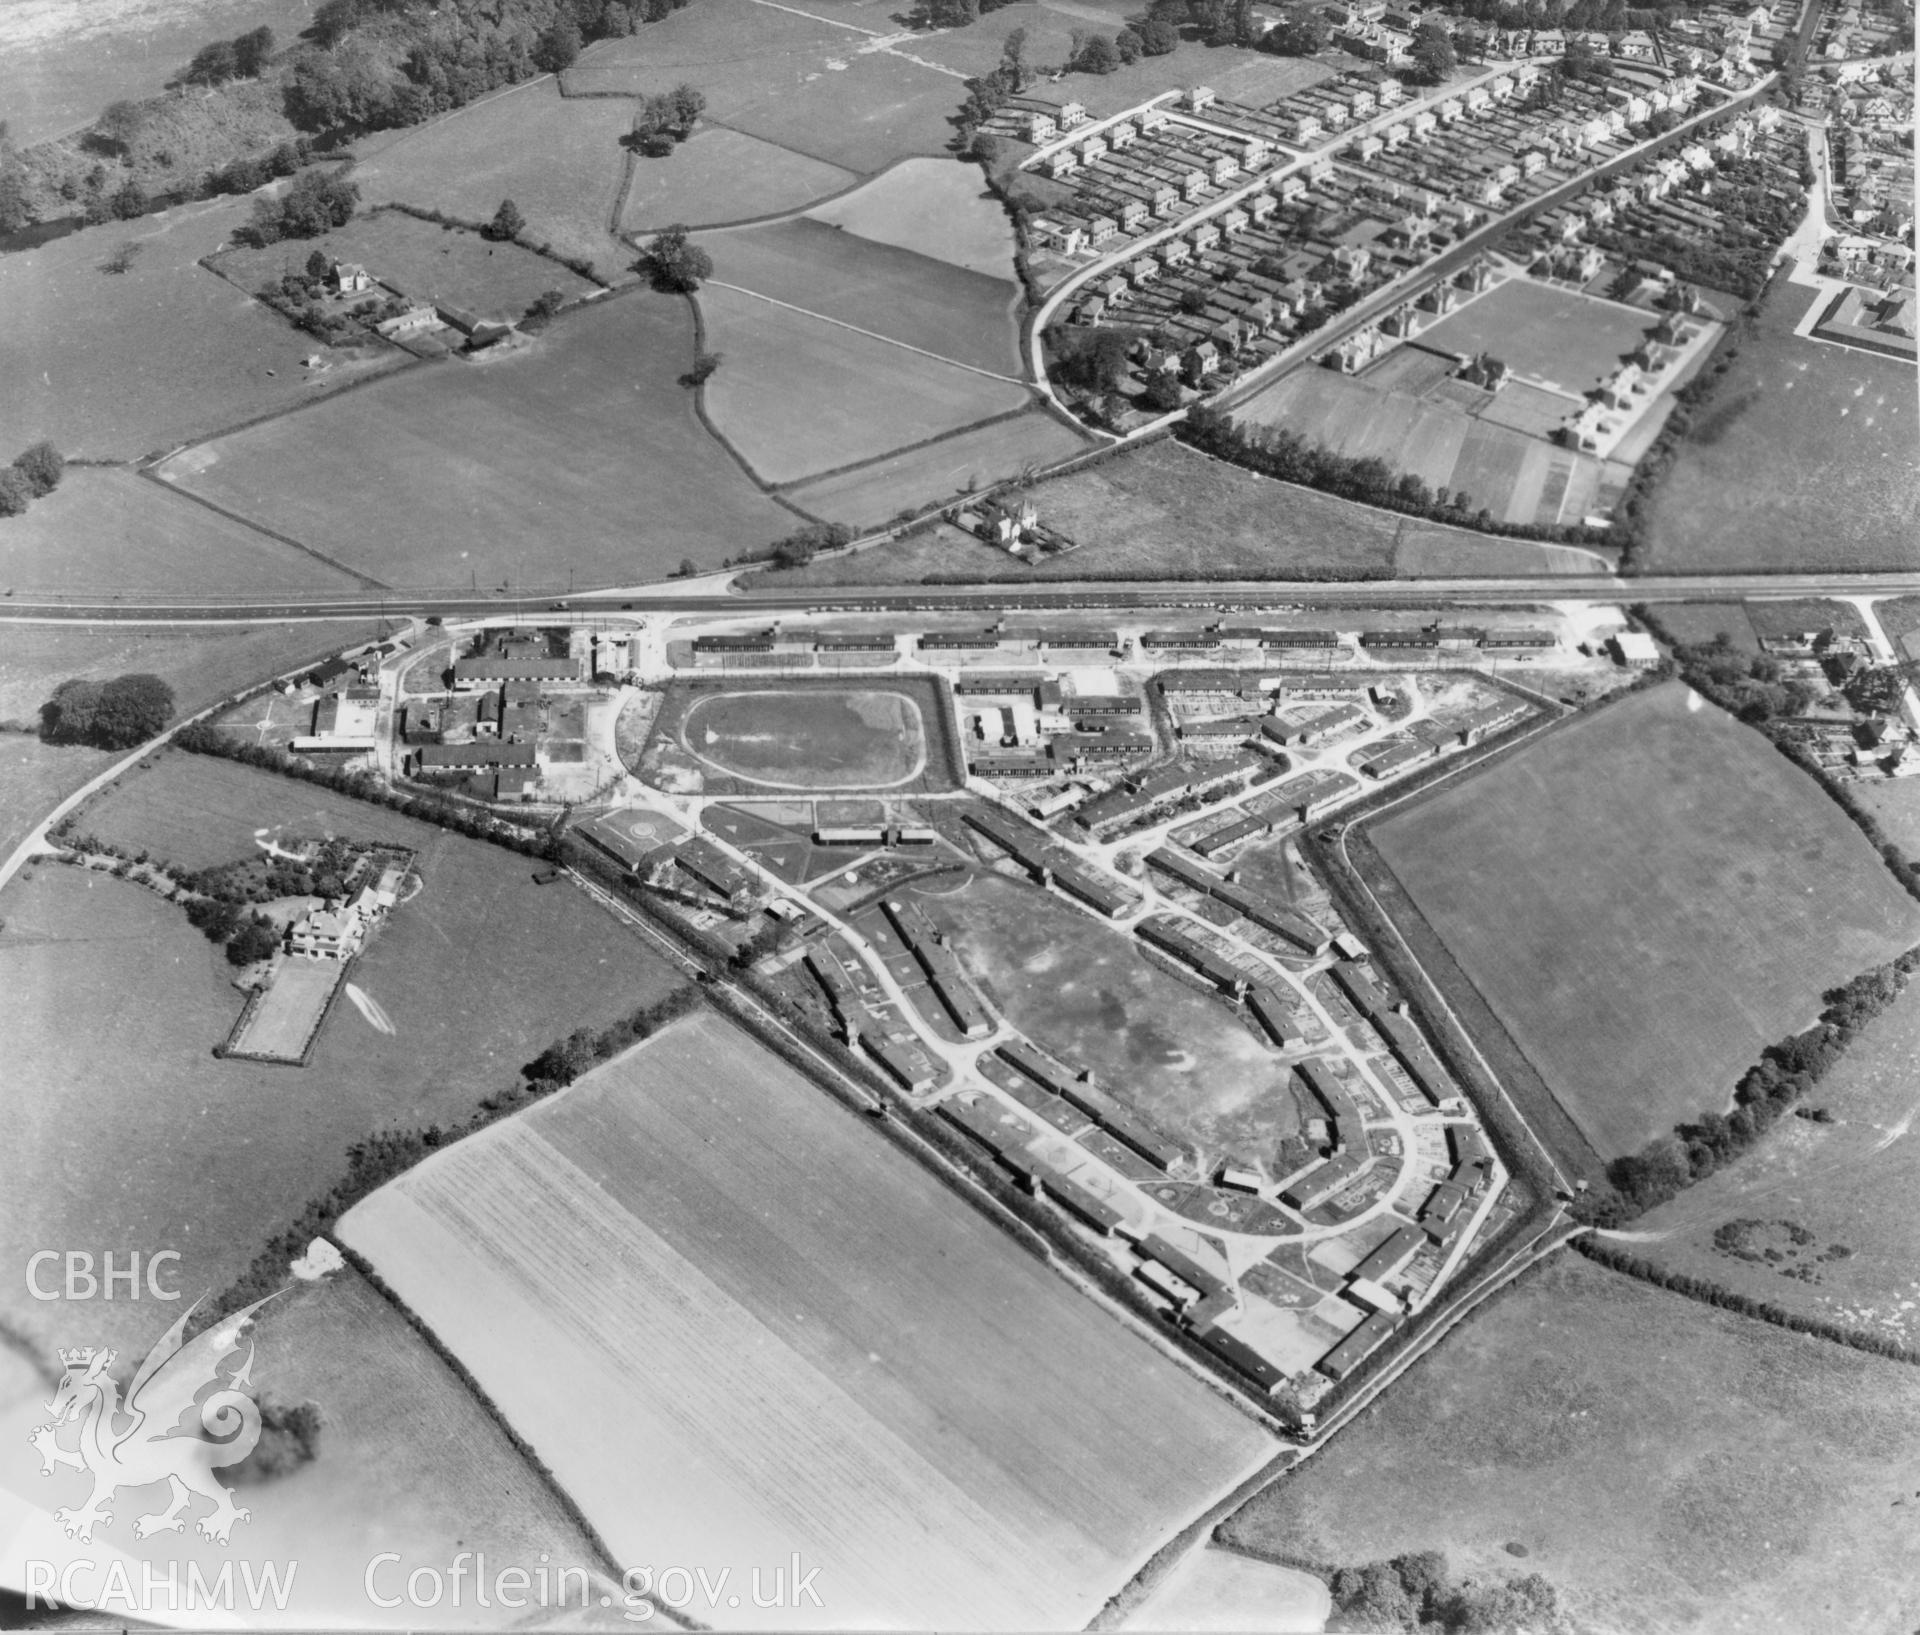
(800, 395)
(1818, 1216)
(408, 1462)
(558, 158)
(1221, 1590)
(1167, 512)
(1554, 336)
(454, 475)
(1517, 478)
(822, 736)
(1806, 456)
(717, 169)
(103, 982)
(1702, 621)
(935, 207)
(1646, 898)
(199, 665)
(1669, 1468)
(1895, 803)
(779, 1370)
(60, 65)
(105, 530)
(868, 495)
(421, 260)
(117, 365)
(935, 306)
(1899, 617)
(1083, 990)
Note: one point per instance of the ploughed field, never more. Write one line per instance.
(104, 984)
(1646, 898)
(809, 740)
(776, 1334)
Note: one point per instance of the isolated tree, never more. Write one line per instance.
(258, 939)
(1432, 53)
(674, 264)
(1098, 56)
(122, 258)
(119, 123)
(115, 714)
(42, 467)
(704, 365)
(543, 307)
(317, 265)
(1158, 36)
(507, 222)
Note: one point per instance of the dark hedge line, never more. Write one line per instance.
(1713, 1294)
(381, 1156)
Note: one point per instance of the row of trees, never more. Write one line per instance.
(35, 472)
(1275, 451)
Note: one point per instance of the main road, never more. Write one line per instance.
(1092, 595)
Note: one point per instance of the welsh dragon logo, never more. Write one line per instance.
(141, 1442)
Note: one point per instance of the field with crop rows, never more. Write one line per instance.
(771, 1365)
(1646, 898)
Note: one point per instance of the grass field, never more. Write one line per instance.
(1848, 1184)
(799, 395)
(719, 170)
(60, 65)
(105, 530)
(1897, 806)
(813, 82)
(196, 812)
(1558, 337)
(426, 262)
(963, 316)
(582, 457)
(35, 778)
(1702, 621)
(935, 207)
(968, 460)
(809, 740)
(1165, 512)
(1084, 990)
(118, 365)
(1646, 898)
(776, 1369)
(1899, 617)
(103, 983)
(1219, 1590)
(1670, 1468)
(1806, 456)
(558, 158)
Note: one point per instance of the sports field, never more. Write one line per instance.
(935, 207)
(773, 1368)
(809, 740)
(968, 460)
(1668, 1467)
(106, 530)
(459, 475)
(1558, 337)
(1807, 455)
(717, 170)
(966, 317)
(1847, 1186)
(558, 158)
(103, 983)
(290, 1010)
(114, 366)
(1082, 989)
(799, 395)
(1646, 898)
(424, 261)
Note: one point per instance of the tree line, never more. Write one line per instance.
(1416, 1592)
